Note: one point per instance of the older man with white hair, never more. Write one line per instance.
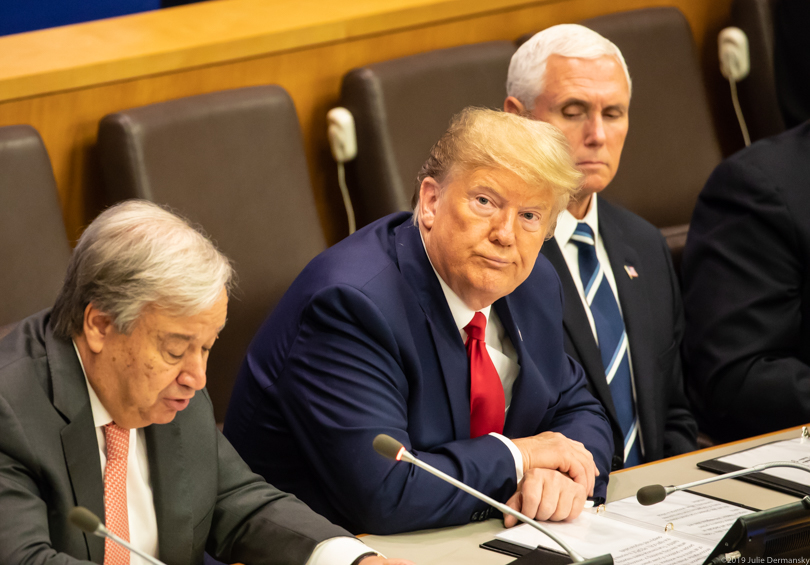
(623, 318)
(102, 405)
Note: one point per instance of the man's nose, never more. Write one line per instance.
(503, 229)
(193, 375)
(595, 131)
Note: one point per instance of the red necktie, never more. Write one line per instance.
(487, 403)
(115, 493)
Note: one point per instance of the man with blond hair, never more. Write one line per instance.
(623, 314)
(102, 405)
(442, 329)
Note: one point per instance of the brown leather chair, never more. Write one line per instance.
(676, 241)
(5, 330)
(35, 250)
(234, 163)
(757, 92)
(775, 96)
(672, 147)
(401, 108)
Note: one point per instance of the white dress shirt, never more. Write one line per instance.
(143, 532)
(500, 349)
(566, 225)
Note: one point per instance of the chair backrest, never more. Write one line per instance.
(34, 249)
(671, 147)
(676, 241)
(232, 162)
(773, 97)
(401, 108)
(5, 330)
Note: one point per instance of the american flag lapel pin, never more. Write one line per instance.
(631, 271)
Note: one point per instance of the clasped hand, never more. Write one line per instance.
(559, 475)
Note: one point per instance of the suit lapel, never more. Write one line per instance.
(637, 318)
(167, 468)
(578, 330)
(78, 436)
(417, 271)
(530, 389)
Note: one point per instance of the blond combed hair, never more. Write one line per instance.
(537, 152)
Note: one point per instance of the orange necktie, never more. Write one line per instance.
(115, 493)
(487, 403)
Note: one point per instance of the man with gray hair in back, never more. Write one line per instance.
(102, 406)
(623, 318)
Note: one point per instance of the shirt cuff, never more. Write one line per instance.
(516, 455)
(338, 551)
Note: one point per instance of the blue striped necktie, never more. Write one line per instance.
(612, 339)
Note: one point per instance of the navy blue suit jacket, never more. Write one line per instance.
(364, 343)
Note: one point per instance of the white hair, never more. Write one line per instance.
(527, 69)
(137, 254)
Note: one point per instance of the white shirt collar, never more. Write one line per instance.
(567, 223)
(100, 415)
(462, 314)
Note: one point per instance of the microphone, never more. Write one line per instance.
(88, 522)
(387, 446)
(653, 494)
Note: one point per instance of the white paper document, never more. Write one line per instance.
(636, 534)
(688, 513)
(795, 450)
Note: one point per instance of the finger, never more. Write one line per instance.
(514, 504)
(382, 561)
(583, 471)
(377, 560)
(578, 471)
(565, 503)
(578, 504)
(550, 500)
(586, 458)
(532, 491)
(590, 472)
(592, 469)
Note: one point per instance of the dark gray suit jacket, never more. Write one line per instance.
(653, 317)
(205, 496)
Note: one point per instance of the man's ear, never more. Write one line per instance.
(513, 106)
(428, 200)
(97, 328)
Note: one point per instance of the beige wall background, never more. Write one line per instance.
(64, 80)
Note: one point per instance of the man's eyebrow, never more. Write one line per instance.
(485, 186)
(574, 102)
(621, 107)
(183, 337)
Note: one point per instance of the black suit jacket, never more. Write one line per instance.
(205, 495)
(746, 275)
(653, 317)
